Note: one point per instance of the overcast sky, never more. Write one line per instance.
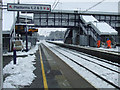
(47, 1)
(105, 6)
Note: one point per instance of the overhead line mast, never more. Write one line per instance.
(55, 5)
(94, 5)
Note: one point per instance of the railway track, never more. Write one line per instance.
(99, 59)
(95, 58)
(83, 56)
(100, 53)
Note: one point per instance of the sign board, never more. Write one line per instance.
(19, 27)
(29, 7)
(33, 30)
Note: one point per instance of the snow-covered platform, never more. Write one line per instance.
(28, 73)
(21, 74)
(60, 71)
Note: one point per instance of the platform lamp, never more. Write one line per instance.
(14, 49)
(1, 54)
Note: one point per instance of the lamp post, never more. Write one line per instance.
(14, 49)
(1, 56)
(26, 33)
(14, 21)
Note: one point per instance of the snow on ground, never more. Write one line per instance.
(94, 80)
(21, 74)
(29, 45)
(94, 67)
(57, 41)
(117, 49)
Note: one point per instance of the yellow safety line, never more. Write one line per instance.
(43, 72)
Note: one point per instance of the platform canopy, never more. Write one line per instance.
(102, 28)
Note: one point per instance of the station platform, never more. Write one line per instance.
(100, 53)
(52, 72)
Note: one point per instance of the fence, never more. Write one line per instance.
(6, 42)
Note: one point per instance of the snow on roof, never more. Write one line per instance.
(103, 28)
(7, 20)
(88, 18)
(5, 32)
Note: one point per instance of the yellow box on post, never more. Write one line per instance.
(32, 30)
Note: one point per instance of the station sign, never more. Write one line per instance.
(29, 7)
(32, 30)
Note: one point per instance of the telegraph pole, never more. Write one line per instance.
(119, 40)
(1, 56)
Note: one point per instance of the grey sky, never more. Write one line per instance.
(47, 1)
(74, 4)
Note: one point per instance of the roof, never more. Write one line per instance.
(103, 28)
(88, 18)
(85, 12)
(23, 16)
(5, 32)
(7, 20)
(8, 23)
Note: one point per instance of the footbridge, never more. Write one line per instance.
(84, 28)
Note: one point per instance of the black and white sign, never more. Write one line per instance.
(28, 7)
